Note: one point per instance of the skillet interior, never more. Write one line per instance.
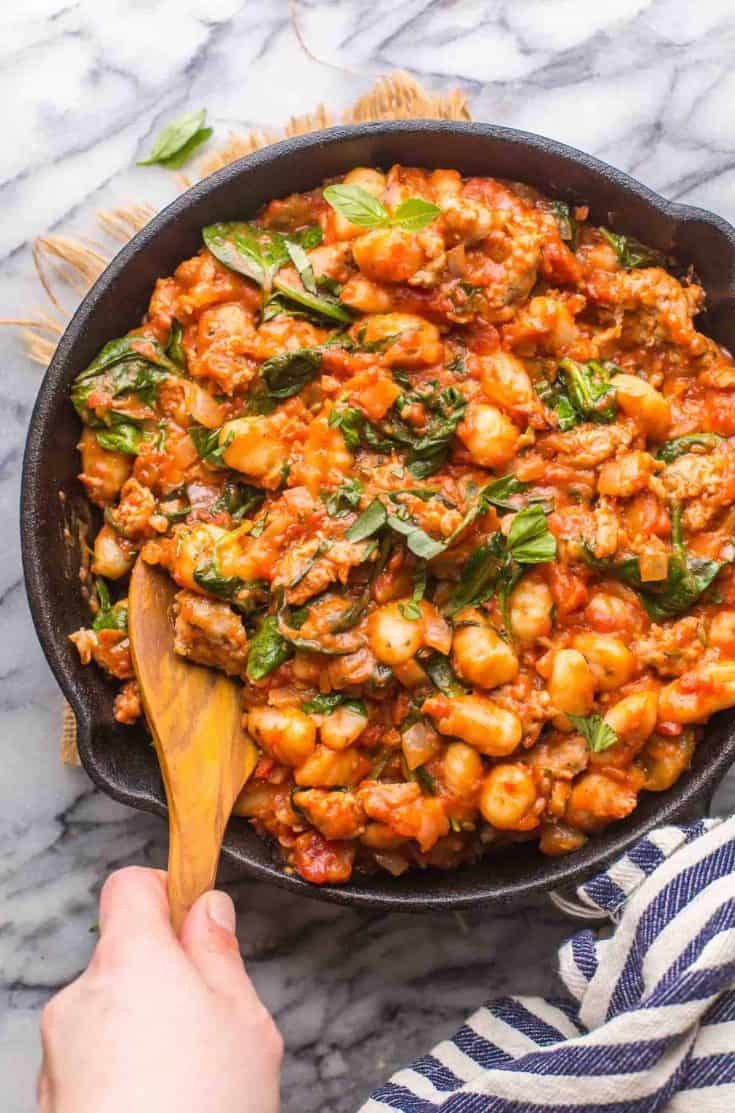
(120, 759)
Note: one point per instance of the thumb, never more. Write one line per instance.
(208, 937)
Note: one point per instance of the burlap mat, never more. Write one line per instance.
(68, 265)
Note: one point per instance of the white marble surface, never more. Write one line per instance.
(85, 85)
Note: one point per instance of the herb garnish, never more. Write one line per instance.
(598, 734)
(268, 650)
(360, 207)
(109, 616)
(178, 141)
(632, 253)
(583, 392)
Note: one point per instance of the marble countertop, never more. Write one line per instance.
(645, 84)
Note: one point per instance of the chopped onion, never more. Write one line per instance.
(420, 743)
(457, 260)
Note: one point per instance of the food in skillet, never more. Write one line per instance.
(444, 475)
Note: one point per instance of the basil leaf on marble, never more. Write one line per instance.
(178, 141)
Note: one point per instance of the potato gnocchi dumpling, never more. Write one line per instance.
(445, 476)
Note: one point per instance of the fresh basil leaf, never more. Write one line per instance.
(530, 541)
(345, 498)
(499, 492)
(321, 304)
(349, 421)
(369, 522)
(175, 347)
(300, 260)
(590, 390)
(122, 437)
(442, 675)
(239, 246)
(679, 446)
(357, 205)
(632, 253)
(178, 140)
(598, 734)
(206, 442)
(414, 214)
(109, 616)
(268, 650)
(288, 373)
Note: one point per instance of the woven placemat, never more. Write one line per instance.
(68, 265)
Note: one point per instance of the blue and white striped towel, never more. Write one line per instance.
(650, 1023)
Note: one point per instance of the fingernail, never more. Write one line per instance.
(221, 910)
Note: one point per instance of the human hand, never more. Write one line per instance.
(160, 1023)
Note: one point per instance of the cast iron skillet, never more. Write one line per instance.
(119, 759)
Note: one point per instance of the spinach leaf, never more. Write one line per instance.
(123, 436)
(632, 253)
(129, 365)
(583, 392)
(109, 616)
(430, 451)
(442, 675)
(350, 421)
(288, 373)
(598, 735)
(238, 499)
(480, 575)
(178, 141)
(174, 347)
(530, 541)
(206, 442)
(501, 491)
(369, 522)
(246, 595)
(268, 650)
(679, 446)
(321, 304)
(360, 207)
(325, 704)
(345, 498)
(686, 581)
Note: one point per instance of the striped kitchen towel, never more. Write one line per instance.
(650, 1022)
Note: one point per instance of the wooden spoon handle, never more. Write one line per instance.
(195, 717)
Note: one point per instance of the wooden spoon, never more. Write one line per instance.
(195, 716)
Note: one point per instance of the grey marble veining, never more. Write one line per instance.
(645, 85)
